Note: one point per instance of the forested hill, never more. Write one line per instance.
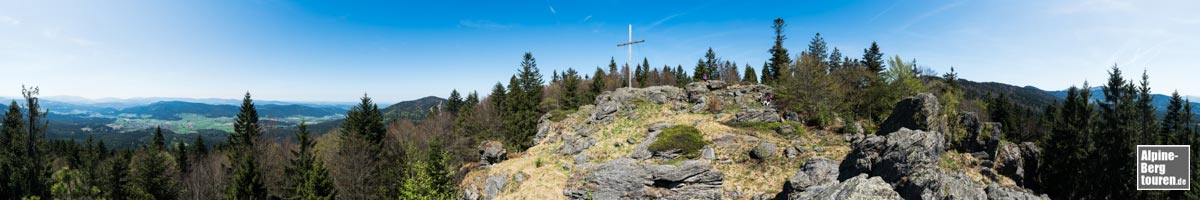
(1029, 97)
(411, 110)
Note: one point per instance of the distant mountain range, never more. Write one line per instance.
(124, 122)
(1037, 99)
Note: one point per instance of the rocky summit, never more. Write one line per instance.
(751, 151)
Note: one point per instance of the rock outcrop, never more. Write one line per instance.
(996, 192)
(627, 179)
(492, 152)
(816, 171)
(905, 153)
(757, 115)
(763, 151)
(920, 112)
(857, 187)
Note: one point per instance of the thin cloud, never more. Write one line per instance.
(585, 19)
(552, 10)
(660, 21)
(930, 13)
(9, 20)
(894, 3)
(483, 24)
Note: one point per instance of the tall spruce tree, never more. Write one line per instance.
(524, 100)
(181, 157)
(1116, 139)
(158, 142)
(307, 177)
(749, 76)
(246, 182)
(1065, 172)
(598, 86)
(873, 58)
(570, 94)
(835, 59)
(454, 103)
(817, 49)
(497, 97)
(1147, 122)
(779, 54)
(364, 121)
(10, 150)
(471, 102)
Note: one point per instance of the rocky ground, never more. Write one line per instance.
(600, 152)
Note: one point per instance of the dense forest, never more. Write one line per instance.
(382, 154)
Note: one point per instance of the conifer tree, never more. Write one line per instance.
(471, 102)
(201, 148)
(158, 142)
(31, 172)
(873, 58)
(779, 55)
(1069, 146)
(245, 128)
(525, 97)
(835, 59)
(598, 86)
(817, 48)
(1147, 122)
(181, 157)
(454, 103)
(681, 77)
(570, 95)
(364, 121)
(645, 69)
(1172, 126)
(308, 179)
(12, 145)
(116, 176)
(1115, 141)
(246, 181)
(711, 68)
(638, 74)
(151, 175)
(749, 76)
(497, 97)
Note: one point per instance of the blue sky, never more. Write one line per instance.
(399, 50)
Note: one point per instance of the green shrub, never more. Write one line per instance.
(684, 138)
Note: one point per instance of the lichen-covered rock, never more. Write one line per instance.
(996, 192)
(816, 171)
(907, 159)
(708, 153)
(920, 112)
(757, 115)
(573, 144)
(894, 155)
(492, 152)
(495, 184)
(763, 151)
(1030, 155)
(1011, 163)
(628, 179)
(857, 187)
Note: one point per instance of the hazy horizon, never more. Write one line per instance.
(398, 51)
